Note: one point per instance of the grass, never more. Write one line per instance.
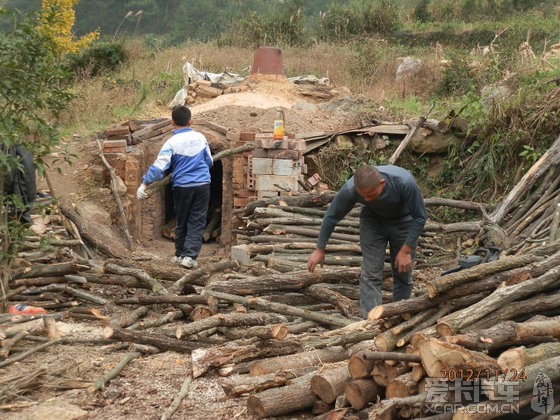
(502, 137)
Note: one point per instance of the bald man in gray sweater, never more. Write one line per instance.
(393, 212)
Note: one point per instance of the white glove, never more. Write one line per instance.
(141, 193)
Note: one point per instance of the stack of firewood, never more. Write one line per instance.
(530, 214)
(474, 320)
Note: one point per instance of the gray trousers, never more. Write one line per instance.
(374, 236)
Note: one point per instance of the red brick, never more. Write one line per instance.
(246, 137)
(241, 202)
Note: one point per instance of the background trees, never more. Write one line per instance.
(33, 93)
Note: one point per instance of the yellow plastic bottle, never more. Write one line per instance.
(279, 125)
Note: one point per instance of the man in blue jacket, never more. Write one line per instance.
(188, 156)
(393, 212)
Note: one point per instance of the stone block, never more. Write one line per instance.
(281, 166)
(276, 183)
(241, 254)
(262, 166)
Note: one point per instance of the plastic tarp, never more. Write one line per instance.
(191, 75)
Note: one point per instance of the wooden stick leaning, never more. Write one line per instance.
(395, 156)
(114, 190)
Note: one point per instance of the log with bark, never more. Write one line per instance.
(299, 360)
(284, 400)
(361, 392)
(520, 357)
(289, 282)
(508, 333)
(456, 321)
(440, 358)
(330, 382)
(262, 304)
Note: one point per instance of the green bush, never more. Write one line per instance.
(98, 58)
(456, 79)
(380, 17)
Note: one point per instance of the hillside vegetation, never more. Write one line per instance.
(490, 60)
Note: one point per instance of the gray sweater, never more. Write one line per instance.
(400, 201)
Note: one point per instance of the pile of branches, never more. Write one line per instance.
(292, 341)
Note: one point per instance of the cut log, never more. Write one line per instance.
(303, 200)
(320, 407)
(232, 320)
(262, 304)
(361, 392)
(508, 333)
(299, 360)
(524, 381)
(388, 409)
(198, 276)
(50, 270)
(131, 317)
(274, 332)
(284, 400)
(199, 313)
(158, 300)
(347, 307)
(520, 357)
(359, 367)
(418, 373)
(387, 341)
(162, 343)
(330, 382)
(448, 282)
(429, 322)
(114, 189)
(289, 282)
(102, 243)
(540, 303)
(233, 352)
(167, 318)
(440, 359)
(237, 386)
(8, 343)
(402, 386)
(383, 373)
(23, 355)
(456, 321)
(407, 139)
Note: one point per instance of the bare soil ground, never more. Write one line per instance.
(147, 386)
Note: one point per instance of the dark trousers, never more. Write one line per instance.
(191, 207)
(374, 236)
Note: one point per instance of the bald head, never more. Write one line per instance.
(366, 176)
(368, 182)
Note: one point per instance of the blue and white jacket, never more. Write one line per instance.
(188, 155)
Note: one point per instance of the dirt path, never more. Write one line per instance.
(147, 386)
